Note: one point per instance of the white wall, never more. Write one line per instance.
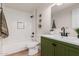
(46, 21)
(17, 37)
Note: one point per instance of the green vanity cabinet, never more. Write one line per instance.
(47, 47)
(73, 52)
(61, 50)
(52, 47)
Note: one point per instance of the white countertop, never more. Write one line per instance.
(72, 40)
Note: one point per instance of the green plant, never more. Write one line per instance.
(77, 30)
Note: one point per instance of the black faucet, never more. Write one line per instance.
(63, 33)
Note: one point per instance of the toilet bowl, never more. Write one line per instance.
(33, 47)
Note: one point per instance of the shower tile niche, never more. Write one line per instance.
(20, 25)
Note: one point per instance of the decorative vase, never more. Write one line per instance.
(53, 25)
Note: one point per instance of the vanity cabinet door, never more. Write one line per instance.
(47, 49)
(61, 50)
(73, 51)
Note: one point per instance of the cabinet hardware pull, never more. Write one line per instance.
(53, 44)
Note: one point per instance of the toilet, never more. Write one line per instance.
(33, 47)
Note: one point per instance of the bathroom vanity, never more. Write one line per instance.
(52, 45)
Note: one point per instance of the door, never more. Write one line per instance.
(66, 49)
(47, 49)
(61, 50)
(73, 51)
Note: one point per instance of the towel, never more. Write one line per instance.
(3, 25)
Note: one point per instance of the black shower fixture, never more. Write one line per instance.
(40, 15)
(40, 20)
(32, 16)
(33, 33)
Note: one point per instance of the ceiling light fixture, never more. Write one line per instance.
(58, 4)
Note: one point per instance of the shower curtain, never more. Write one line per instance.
(3, 25)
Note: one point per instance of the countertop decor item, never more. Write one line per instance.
(3, 24)
(53, 26)
(77, 30)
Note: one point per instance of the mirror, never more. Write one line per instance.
(66, 15)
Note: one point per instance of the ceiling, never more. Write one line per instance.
(56, 8)
(32, 6)
(27, 6)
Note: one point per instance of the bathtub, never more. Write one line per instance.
(11, 48)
